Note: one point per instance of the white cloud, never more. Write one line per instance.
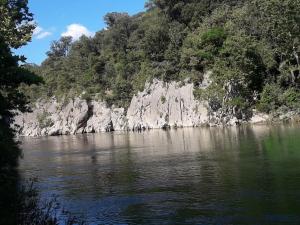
(40, 33)
(43, 35)
(76, 31)
(37, 30)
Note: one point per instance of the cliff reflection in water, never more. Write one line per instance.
(201, 175)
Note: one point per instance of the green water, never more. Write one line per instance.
(246, 175)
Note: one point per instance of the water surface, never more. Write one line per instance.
(246, 175)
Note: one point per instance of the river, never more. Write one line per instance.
(243, 175)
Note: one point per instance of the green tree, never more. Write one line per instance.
(60, 48)
(16, 22)
(15, 30)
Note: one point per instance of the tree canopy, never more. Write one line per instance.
(252, 45)
(16, 28)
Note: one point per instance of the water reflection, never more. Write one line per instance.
(231, 175)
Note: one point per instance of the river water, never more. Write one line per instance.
(245, 175)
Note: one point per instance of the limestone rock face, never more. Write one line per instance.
(75, 117)
(163, 105)
(104, 119)
(160, 105)
(258, 118)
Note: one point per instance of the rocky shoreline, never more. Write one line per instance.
(160, 105)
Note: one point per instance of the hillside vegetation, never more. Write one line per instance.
(251, 47)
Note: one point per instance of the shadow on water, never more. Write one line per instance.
(245, 175)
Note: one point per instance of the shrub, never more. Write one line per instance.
(44, 120)
(269, 98)
(240, 102)
(214, 36)
(163, 99)
(291, 98)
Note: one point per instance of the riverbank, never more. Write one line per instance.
(160, 106)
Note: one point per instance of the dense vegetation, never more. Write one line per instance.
(251, 47)
(19, 204)
(15, 31)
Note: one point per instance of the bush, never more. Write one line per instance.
(215, 36)
(44, 120)
(291, 98)
(163, 99)
(240, 102)
(198, 94)
(87, 96)
(269, 100)
(121, 95)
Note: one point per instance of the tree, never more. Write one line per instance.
(16, 28)
(260, 50)
(190, 12)
(119, 30)
(16, 22)
(60, 48)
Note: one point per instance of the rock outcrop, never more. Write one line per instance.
(163, 105)
(76, 117)
(160, 105)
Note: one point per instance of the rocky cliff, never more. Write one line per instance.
(160, 105)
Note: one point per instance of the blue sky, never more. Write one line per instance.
(70, 17)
